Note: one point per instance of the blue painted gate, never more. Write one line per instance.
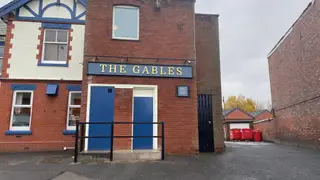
(143, 112)
(101, 110)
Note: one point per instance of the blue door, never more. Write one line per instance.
(101, 110)
(143, 112)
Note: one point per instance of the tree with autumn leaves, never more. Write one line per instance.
(246, 104)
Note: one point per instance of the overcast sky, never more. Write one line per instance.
(248, 31)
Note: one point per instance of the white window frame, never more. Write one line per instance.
(71, 128)
(113, 21)
(1, 57)
(21, 106)
(45, 61)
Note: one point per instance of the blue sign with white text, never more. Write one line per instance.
(111, 69)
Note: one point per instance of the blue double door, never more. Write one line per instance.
(102, 110)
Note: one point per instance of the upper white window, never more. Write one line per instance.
(1, 57)
(55, 46)
(74, 106)
(125, 22)
(21, 110)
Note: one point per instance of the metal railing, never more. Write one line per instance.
(82, 136)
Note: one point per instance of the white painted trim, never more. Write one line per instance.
(68, 110)
(1, 57)
(126, 86)
(56, 42)
(155, 117)
(87, 116)
(25, 106)
(138, 26)
(154, 96)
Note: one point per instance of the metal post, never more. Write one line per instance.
(162, 144)
(111, 141)
(81, 138)
(76, 143)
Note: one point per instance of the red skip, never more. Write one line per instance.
(257, 136)
(235, 134)
(247, 135)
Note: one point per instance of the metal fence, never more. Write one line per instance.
(80, 126)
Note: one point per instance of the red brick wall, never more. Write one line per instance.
(237, 114)
(49, 116)
(160, 35)
(179, 114)
(168, 33)
(268, 130)
(266, 127)
(208, 69)
(294, 77)
(123, 113)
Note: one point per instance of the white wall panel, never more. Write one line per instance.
(23, 62)
(57, 12)
(46, 2)
(25, 13)
(239, 125)
(34, 5)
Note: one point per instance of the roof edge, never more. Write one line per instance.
(239, 110)
(6, 9)
(15, 4)
(205, 14)
(290, 29)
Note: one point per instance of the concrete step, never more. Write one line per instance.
(136, 155)
(121, 155)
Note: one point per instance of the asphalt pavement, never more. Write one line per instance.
(241, 161)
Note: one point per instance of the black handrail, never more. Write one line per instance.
(82, 136)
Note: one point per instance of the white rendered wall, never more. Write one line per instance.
(25, 13)
(80, 9)
(33, 5)
(23, 61)
(46, 2)
(239, 125)
(57, 12)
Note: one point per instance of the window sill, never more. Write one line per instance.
(15, 132)
(123, 39)
(52, 64)
(69, 132)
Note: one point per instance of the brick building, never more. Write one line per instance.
(264, 122)
(118, 61)
(236, 118)
(294, 75)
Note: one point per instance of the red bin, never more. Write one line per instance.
(235, 134)
(257, 136)
(247, 135)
